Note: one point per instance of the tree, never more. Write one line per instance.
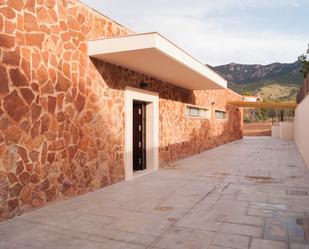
(304, 62)
(261, 114)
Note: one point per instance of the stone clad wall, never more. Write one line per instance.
(57, 135)
(62, 114)
(180, 136)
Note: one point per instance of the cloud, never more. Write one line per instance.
(214, 45)
(215, 32)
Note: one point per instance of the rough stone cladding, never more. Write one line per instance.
(181, 136)
(59, 135)
(62, 114)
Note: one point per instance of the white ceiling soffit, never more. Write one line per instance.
(154, 55)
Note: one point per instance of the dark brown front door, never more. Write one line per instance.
(139, 135)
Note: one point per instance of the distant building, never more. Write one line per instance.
(252, 98)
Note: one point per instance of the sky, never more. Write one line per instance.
(218, 32)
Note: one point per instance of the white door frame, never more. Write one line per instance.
(152, 129)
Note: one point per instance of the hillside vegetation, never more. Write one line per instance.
(276, 81)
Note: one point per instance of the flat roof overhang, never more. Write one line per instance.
(154, 55)
(265, 105)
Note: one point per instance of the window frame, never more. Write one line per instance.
(199, 109)
(225, 116)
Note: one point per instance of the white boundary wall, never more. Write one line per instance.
(286, 130)
(302, 128)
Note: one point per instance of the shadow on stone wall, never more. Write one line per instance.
(118, 78)
(203, 139)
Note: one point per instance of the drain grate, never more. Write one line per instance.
(163, 209)
(262, 179)
(296, 192)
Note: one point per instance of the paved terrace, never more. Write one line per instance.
(251, 193)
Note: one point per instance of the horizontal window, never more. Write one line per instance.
(193, 111)
(220, 114)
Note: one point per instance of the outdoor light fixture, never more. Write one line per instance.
(143, 85)
(212, 102)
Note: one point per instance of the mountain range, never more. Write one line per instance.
(276, 81)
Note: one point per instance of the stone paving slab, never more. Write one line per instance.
(249, 194)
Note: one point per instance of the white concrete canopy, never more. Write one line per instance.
(154, 55)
